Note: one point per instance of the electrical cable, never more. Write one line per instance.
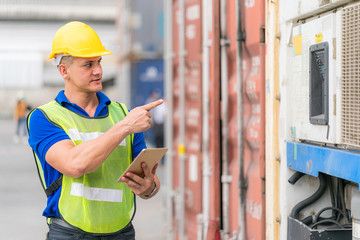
(326, 221)
(348, 225)
(328, 208)
(320, 191)
(338, 207)
(308, 220)
(295, 177)
(342, 199)
(332, 195)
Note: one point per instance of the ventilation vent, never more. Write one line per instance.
(350, 119)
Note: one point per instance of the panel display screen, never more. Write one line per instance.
(319, 84)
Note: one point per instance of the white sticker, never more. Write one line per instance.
(193, 12)
(190, 31)
(193, 168)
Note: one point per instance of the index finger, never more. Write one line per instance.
(151, 105)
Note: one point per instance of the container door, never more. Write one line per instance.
(193, 114)
(254, 116)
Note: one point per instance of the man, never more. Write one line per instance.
(82, 142)
(20, 118)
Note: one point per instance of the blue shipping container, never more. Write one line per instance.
(146, 77)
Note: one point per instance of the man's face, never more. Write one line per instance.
(85, 74)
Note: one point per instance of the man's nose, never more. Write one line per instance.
(97, 69)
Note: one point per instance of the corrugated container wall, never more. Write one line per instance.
(192, 119)
(223, 122)
(254, 116)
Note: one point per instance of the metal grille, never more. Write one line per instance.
(350, 119)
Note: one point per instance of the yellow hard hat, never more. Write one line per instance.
(78, 40)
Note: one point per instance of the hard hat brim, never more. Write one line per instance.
(96, 54)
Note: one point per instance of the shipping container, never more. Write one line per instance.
(147, 76)
(147, 85)
(206, 131)
(187, 99)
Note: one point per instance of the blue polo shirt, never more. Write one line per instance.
(43, 134)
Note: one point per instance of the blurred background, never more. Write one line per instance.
(27, 28)
(133, 74)
(241, 124)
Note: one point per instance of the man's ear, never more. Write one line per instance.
(64, 70)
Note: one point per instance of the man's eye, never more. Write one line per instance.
(88, 65)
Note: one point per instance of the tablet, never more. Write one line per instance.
(150, 156)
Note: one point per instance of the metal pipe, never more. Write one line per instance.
(225, 177)
(206, 43)
(123, 75)
(240, 117)
(181, 146)
(168, 59)
(276, 122)
(199, 230)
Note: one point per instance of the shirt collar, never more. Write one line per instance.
(101, 109)
(103, 99)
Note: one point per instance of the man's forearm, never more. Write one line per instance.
(75, 161)
(93, 153)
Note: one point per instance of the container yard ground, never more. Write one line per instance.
(22, 199)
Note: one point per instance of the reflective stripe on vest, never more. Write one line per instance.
(95, 202)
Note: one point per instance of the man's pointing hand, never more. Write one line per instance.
(139, 119)
(152, 105)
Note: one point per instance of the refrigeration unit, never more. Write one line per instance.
(323, 80)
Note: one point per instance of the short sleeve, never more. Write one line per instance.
(138, 144)
(43, 134)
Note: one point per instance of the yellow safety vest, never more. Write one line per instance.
(94, 202)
